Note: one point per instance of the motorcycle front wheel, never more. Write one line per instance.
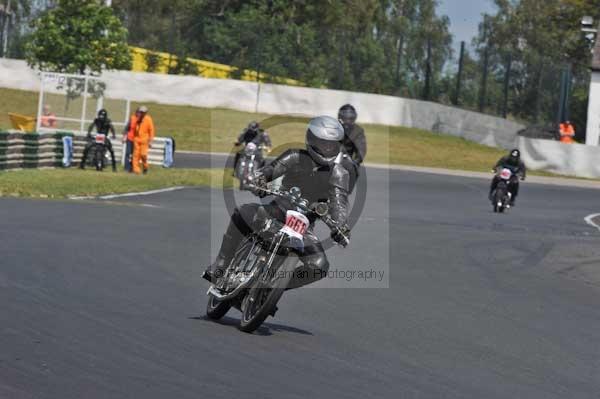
(215, 310)
(262, 298)
(99, 160)
(499, 200)
(242, 175)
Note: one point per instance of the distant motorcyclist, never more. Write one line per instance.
(355, 142)
(512, 162)
(103, 125)
(320, 174)
(253, 134)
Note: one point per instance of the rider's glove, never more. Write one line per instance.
(259, 181)
(341, 235)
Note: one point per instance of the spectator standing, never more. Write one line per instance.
(566, 130)
(140, 133)
(128, 142)
(140, 126)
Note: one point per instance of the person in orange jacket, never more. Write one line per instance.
(567, 132)
(141, 133)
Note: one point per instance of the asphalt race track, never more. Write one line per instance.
(105, 300)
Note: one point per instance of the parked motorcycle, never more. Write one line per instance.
(501, 196)
(264, 263)
(249, 161)
(99, 151)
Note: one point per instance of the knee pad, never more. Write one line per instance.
(307, 273)
(317, 261)
(242, 217)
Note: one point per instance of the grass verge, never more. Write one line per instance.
(63, 183)
(214, 130)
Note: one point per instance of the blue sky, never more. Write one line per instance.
(465, 16)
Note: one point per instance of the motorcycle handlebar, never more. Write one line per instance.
(302, 204)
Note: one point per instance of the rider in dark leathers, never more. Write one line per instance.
(321, 175)
(513, 162)
(103, 126)
(252, 134)
(355, 142)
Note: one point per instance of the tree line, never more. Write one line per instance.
(397, 47)
(377, 46)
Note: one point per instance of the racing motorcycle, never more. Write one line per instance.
(249, 161)
(264, 263)
(501, 196)
(99, 151)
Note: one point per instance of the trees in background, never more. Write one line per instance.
(377, 46)
(397, 47)
(534, 42)
(14, 17)
(78, 36)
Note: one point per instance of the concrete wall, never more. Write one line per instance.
(280, 100)
(565, 159)
(593, 123)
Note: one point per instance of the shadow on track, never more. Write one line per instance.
(265, 330)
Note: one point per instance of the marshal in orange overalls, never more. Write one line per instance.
(141, 130)
(567, 133)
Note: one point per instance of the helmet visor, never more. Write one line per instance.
(325, 148)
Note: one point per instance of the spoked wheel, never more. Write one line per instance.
(241, 174)
(262, 298)
(499, 201)
(98, 160)
(215, 309)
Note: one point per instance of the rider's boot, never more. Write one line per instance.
(225, 255)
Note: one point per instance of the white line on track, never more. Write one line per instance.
(113, 196)
(590, 220)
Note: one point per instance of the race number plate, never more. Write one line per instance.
(295, 224)
(100, 138)
(506, 174)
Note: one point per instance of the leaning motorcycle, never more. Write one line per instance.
(264, 263)
(249, 161)
(501, 196)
